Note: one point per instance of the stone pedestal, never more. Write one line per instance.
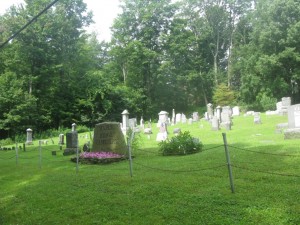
(29, 137)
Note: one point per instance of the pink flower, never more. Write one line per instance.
(100, 155)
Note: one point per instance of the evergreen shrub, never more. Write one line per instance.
(183, 144)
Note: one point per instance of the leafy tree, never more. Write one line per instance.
(18, 108)
(223, 95)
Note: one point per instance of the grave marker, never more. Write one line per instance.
(108, 137)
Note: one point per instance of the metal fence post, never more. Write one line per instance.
(228, 162)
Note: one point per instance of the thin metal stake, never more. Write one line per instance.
(40, 151)
(129, 152)
(17, 156)
(228, 162)
(77, 158)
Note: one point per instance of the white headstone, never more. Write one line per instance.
(294, 116)
(125, 121)
(210, 110)
(162, 134)
(178, 118)
(235, 111)
(29, 137)
(183, 118)
(215, 123)
(257, 119)
(163, 117)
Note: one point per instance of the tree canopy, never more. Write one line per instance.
(162, 55)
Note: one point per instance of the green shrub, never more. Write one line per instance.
(183, 144)
(6, 141)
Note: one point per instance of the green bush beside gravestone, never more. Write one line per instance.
(183, 144)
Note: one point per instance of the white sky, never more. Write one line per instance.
(104, 13)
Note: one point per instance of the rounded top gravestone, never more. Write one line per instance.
(108, 137)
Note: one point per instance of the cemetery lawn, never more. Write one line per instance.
(177, 190)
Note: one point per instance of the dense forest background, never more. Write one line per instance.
(163, 55)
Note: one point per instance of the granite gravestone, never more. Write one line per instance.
(72, 143)
(61, 138)
(286, 103)
(195, 116)
(215, 123)
(108, 137)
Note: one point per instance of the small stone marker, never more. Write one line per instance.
(176, 131)
(257, 119)
(142, 125)
(61, 139)
(108, 137)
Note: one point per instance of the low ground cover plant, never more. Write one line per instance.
(182, 144)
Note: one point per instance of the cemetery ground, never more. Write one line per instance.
(191, 189)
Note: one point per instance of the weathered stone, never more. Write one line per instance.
(292, 133)
(108, 137)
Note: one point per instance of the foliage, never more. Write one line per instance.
(183, 144)
(223, 95)
(267, 102)
(163, 55)
(137, 141)
(7, 141)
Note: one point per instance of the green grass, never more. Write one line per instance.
(192, 189)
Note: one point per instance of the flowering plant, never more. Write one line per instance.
(100, 155)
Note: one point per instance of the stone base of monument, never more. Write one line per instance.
(280, 127)
(292, 133)
(70, 151)
(226, 125)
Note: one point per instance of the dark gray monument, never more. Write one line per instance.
(72, 142)
(108, 137)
